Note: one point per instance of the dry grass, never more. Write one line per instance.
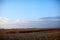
(34, 35)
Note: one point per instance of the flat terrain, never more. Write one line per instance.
(30, 34)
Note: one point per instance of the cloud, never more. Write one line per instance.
(49, 22)
(3, 20)
(7, 23)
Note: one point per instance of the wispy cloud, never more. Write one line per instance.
(7, 23)
(51, 22)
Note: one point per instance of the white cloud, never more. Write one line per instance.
(7, 23)
(3, 20)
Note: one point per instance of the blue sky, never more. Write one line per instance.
(27, 13)
(29, 9)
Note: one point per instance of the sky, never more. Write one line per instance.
(27, 10)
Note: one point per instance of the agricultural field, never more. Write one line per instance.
(30, 34)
